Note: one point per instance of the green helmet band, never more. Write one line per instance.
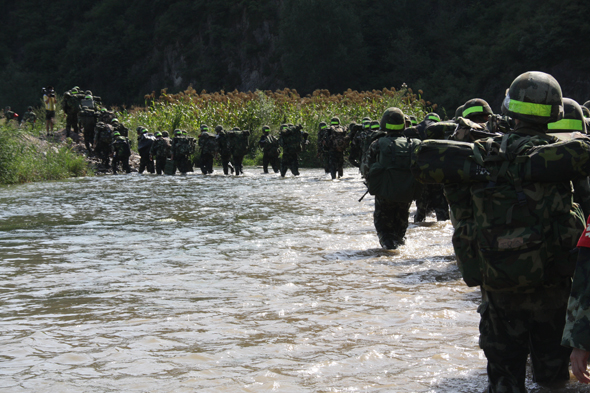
(433, 118)
(473, 109)
(529, 108)
(394, 126)
(567, 124)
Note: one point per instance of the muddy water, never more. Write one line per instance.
(255, 283)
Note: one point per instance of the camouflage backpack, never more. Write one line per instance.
(183, 146)
(121, 147)
(338, 139)
(390, 177)
(511, 233)
(104, 133)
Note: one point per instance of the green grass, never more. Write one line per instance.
(24, 158)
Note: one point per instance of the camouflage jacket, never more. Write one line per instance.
(121, 147)
(160, 148)
(208, 143)
(223, 143)
(269, 145)
(30, 116)
(576, 333)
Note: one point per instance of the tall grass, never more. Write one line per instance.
(27, 159)
(250, 111)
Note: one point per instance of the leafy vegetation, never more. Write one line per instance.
(24, 158)
(188, 110)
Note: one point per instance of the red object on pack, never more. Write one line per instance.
(585, 238)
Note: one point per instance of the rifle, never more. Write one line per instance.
(365, 194)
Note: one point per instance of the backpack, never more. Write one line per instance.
(121, 147)
(513, 233)
(338, 139)
(104, 133)
(390, 177)
(87, 102)
(183, 146)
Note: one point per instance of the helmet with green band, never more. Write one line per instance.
(393, 120)
(535, 97)
(573, 118)
(476, 107)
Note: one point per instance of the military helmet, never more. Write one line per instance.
(88, 97)
(204, 128)
(374, 126)
(414, 120)
(458, 112)
(432, 116)
(573, 118)
(218, 129)
(116, 133)
(284, 126)
(236, 129)
(323, 125)
(535, 97)
(115, 120)
(476, 107)
(144, 131)
(184, 132)
(88, 92)
(335, 121)
(139, 129)
(165, 134)
(585, 111)
(158, 133)
(177, 132)
(30, 108)
(265, 129)
(393, 120)
(103, 109)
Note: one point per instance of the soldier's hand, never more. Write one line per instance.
(579, 360)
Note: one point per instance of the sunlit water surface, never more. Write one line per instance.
(144, 283)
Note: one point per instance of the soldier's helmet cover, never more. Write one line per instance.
(476, 107)
(535, 97)
(573, 118)
(393, 119)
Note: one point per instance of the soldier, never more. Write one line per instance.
(180, 151)
(103, 137)
(270, 150)
(238, 144)
(390, 179)
(506, 240)
(71, 107)
(144, 146)
(121, 151)
(30, 117)
(323, 146)
(355, 136)
(160, 151)
(369, 136)
(337, 142)
(120, 128)
(88, 117)
(106, 116)
(208, 146)
(292, 139)
(9, 115)
(224, 150)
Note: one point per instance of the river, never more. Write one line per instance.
(256, 283)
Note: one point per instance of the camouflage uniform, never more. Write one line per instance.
(102, 141)
(354, 132)
(291, 139)
(121, 153)
(337, 141)
(71, 107)
(322, 146)
(390, 216)
(270, 150)
(224, 150)
(160, 152)
(88, 117)
(144, 146)
(576, 333)
(208, 145)
(181, 150)
(238, 144)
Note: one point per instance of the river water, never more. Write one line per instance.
(256, 283)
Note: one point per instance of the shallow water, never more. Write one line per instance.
(144, 283)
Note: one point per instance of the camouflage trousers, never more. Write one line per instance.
(160, 164)
(290, 160)
(225, 163)
(514, 325)
(71, 123)
(146, 163)
(206, 163)
(88, 124)
(237, 160)
(432, 199)
(336, 163)
(124, 160)
(391, 221)
(273, 160)
(182, 163)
